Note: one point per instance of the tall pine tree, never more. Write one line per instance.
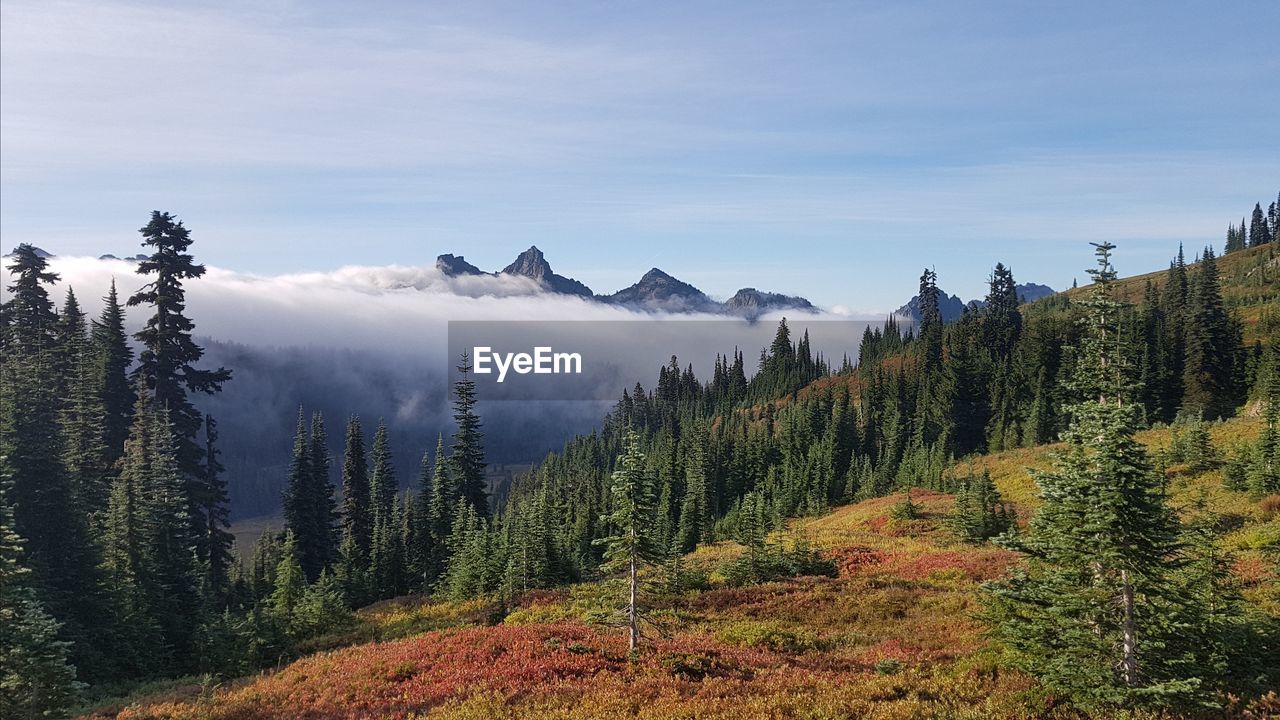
(468, 443)
(631, 544)
(169, 356)
(1087, 615)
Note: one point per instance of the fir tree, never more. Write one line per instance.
(128, 555)
(1235, 239)
(1262, 471)
(290, 580)
(218, 540)
(695, 522)
(172, 585)
(1174, 305)
(169, 356)
(113, 356)
(324, 551)
(631, 545)
(1087, 615)
(46, 513)
(309, 509)
(36, 681)
(469, 572)
(383, 484)
(468, 443)
(1208, 373)
(439, 512)
(1001, 320)
(356, 515)
(423, 547)
(979, 512)
(82, 414)
(298, 501)
(930, 332)
(1259, 232)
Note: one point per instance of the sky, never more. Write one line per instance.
(824, 149)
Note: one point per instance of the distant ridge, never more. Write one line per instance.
(656, 291)
(952, 307)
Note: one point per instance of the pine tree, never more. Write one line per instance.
(1174, 305)
(1153, 374)
(1208, 376)
(423, 547)
(468, 443)
(631, 545)
(1219, 643)
(150, 547)
(113, 356)
(930, 332)
(324, 551)
(172, 585)
(1087, 615)
(383, 484)
(439, 511)
(169, 356)
(309, 510)
(290, 580)
(1039, 424)
(470, 572)
(1273, 217)
(1235, 239)
(356, 515)
(69, 342)
(979, 512)
(1259, 232)
(82, 414)
(46, 513)
(217, 540)
(298, 501)
(1001, 320)
(1262, 473)
(753, 524)
(695, 520)
(128, 555)
(262, 565)
(36, 680)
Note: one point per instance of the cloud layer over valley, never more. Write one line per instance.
(373, 341)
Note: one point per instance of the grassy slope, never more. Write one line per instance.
(812, 647)
(892, 637)
(1250, 281)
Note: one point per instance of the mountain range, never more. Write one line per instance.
(952, 307)
(655, 291)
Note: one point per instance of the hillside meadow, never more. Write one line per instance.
(893, 636)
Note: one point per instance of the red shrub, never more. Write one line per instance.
(851, 559)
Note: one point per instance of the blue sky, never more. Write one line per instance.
(826, 149)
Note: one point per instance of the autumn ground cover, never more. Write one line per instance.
(894, 635)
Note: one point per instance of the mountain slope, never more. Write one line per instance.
(532, 264)
(657, 290)
(750, 302)
(1250, 282)
(892, 636)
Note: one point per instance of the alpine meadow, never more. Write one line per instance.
(277, 464)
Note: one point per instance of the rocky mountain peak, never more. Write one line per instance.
(454, 265)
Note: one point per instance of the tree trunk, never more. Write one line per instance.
(632, 615)
(1130, 661)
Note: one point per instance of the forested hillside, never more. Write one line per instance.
(1109, 589)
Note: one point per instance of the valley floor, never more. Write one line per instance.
(893, 636)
